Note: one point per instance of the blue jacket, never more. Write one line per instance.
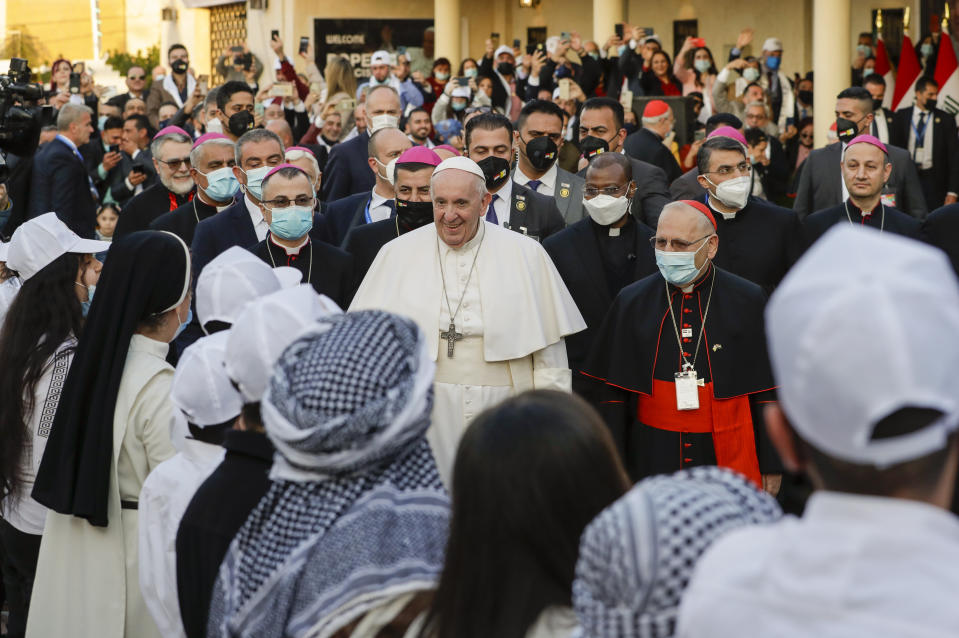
(343, 215)
(231, 227)
(347, 170)
(60, 183)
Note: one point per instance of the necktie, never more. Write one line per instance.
(93, 189)
(920, 135)
(534, 183)
(490, 213)
(392, 206)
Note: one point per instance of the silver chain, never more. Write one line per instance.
(702, 330)
(309, 272)
(468, 277)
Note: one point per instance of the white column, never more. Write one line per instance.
(446, 19)
(831, 51)
(606, 13)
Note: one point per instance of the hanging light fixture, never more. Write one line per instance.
(528, 4)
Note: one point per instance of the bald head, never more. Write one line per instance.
(282, 128)
(678, 214)
(387, 143)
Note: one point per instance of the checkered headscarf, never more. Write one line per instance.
(355, 489)
(637, 556)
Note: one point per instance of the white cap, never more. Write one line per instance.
(651, 38)
(233, 279)
(502, 49)
(460, 91)
(263, 331)
(380, 57)
(773, 44)
(201, 389)
(860, 328)
(4, 250)
(462, 164)
(41, 240)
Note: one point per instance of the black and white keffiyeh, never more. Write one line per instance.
(356, 512)
(637, 556)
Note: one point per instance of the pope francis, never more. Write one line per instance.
(489, 300)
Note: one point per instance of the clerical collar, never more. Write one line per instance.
(702, 280)
(295, 250)
(726, 216)
(864, 213)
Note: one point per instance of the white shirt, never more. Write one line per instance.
(379, 210)
(8, 290)
(502, 205)
(547, 185)
(882, 127)
(21, 511)
(851, 566)
(136, 190)
(260, 227)
(922, 156)
(164, 498)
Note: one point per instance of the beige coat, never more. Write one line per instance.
(87, 577)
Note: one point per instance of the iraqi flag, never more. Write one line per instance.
(947, 76)
(909, 71)
(884, 68)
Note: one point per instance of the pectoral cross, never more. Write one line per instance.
(451, 337)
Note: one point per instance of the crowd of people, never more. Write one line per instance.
(577, 341)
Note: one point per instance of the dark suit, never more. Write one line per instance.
(887, 115)
(820, 183)
(231, 227)
(501, 96)
(330, 273)
(568, 194)
(652, 191)
(686, 186)
(576, 253)
(60, 183)
(347, 170)
(647, 146)
(118, 187)
(342, 215)
(943, 177)
(941, 229)
(93, 153)
(140, 211)
(533, 214)
(182, 222)
(364, 242)
(896, 221)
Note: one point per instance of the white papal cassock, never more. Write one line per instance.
(514, 316)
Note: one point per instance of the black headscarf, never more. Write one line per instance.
(146, 273)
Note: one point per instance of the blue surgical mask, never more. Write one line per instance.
(926, 50)
(254, 180)
(772, 63)
(222, 184)
(678, 268)
(189, 318)
(85, 305)
(702, 65)
(751, 73)
(291, 222)
(864, 50)
(471, 72)
(458, 106)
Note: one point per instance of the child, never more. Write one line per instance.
(107, 218)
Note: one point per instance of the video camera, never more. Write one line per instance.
(19, 113)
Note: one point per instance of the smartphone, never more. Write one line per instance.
(494, 36)
(400, 50)
(79, 67)
(114, 148)
(619, 30)
(541, 46)
(304, 44)
(530, 48)
(565, 36)
(74, 82)
(258, 109)
(626, 99)
(137, 169)
(564, 88)
(346, 105)
(699, 42)
(648, 31)
(281, 89)
(699, 135)
(274, 35)
(204, 83)
(463, 81)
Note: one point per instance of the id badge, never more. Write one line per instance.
(687, 392)
(888, 199)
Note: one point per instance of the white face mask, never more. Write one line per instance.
(605, 209)
(385, 120)
(734, 192)
(214, 125)
(389, 167)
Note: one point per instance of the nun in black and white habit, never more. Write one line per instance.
(112, 427)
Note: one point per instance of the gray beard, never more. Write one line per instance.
(179, 189)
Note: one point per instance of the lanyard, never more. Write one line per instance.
(920, 133)
(686, 364)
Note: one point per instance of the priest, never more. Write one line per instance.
(683, 358)
(211, 167)
(865, 171)
(493, 308)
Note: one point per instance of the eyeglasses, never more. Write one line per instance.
(677, 245)
(137, 77)
(743, 167)
(176, 163)
(284, 202)
(612, 191)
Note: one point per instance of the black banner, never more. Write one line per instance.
(357, 39)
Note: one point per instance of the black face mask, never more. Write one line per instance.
(180, 66)
(930, 104)
(505, 68)
(846, 130)
(413, 215)
(591, 146)
(240, 123)
(876, 105)
(541, 152)
(805, 97)
(496, 170)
